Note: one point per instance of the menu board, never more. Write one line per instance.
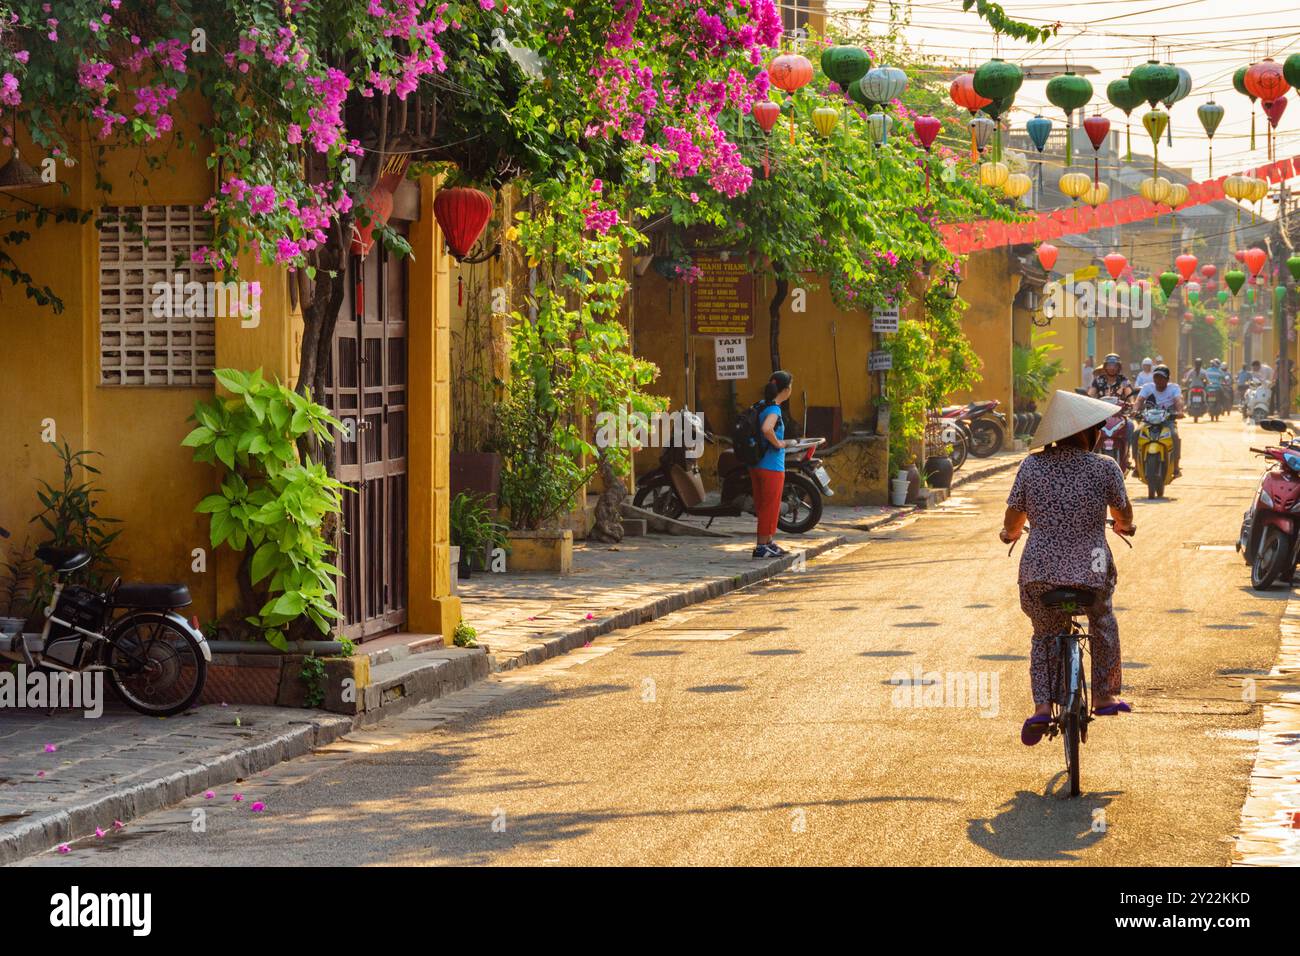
(722, 298)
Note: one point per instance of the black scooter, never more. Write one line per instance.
(156, 659)
(675, 488)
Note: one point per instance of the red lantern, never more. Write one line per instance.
(1258, 323)
(963, 94)
(766, 113)
(1209, 320)
(1208, 270)
(1186, 265)
(1047, 254)
(462, 214)
(1233, 321)
(927, 128)
(1274, 109)
(1266, 81)
(790, 72)
(1115, 264)
(1097, 128)
(379, 206)
(1254, 259)
(1240, 255)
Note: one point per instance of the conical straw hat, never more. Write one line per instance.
(1068, 413)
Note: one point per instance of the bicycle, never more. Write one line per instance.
(1070, 714)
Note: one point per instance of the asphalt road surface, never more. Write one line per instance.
(769, 727)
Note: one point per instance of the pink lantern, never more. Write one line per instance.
(1209, 270)
(1047, 254)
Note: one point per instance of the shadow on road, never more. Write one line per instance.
(1043, 827)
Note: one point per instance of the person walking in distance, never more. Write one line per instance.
(768, 476)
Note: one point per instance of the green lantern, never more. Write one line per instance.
(1222, 296)
(1293, 264)
(1153, 81)
(845, 64)
(1239, 84)
(1250, 296)
(998, 107)
(1156, 122)
(1168, 282)
(1193, 296)
(1069, 92)
(997, 79)
(1234, 279)
(1123, 97)
(1291, 70)
(1279, 296)
(859, 95)
(1211, 115)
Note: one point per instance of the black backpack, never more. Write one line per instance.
(746, 438)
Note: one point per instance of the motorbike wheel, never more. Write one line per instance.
(801, 504)
(986, 438)
(960, 449)
(1269, 558)
(1154, 473)
(156, 666)
(661, 499)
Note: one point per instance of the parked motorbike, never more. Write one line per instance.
(1269, 540)
(1155, 449)
(986, 428)
(1113, 440)
(1259, 395)
(156, 660)
(956, 437)
(1197, 402)
(675, 488)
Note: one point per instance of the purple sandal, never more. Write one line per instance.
(1031, 732)
(1110, 710)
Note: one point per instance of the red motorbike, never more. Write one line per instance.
(1114, 438)
(1269, 540)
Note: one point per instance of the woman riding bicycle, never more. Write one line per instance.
(1064, 492)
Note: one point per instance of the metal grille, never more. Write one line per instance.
(140, 246)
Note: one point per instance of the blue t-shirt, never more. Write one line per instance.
(773, 458)
(1215, 375)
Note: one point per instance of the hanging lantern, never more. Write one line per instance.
(1291, 70)
(1153, 81)
(1255, 259)
(1258, 191)
(1234, 279)
(1250, 295)
(1209, 320)
(1168, 282)
(1096, 194)
(1180, 93)
(1239, 84)
(766, 114)
(790, 72)
(879, 126)
(1209, 270)
(1047, 254)
(379, 206)
(1097, 128)
(1115, 264)
(1039, 128)
(981, 131)
(1017, 185)
(844, 64)
(1273, 109)
(1293, 264)
(462, 214)
(962, 91)
(1069, 92)
(1222, 296)
(825, 119)
(18, 174)
(1266, 80)
(1238, 188)
(994, 175)
(1178, 194)
(1155, 189)
(1075, 185)
(998, 81)
(926, 129)
(1193, 292)
(1234, 321)
(1211, 115)
(883, 84)
(1258, 323)
(1123, 97)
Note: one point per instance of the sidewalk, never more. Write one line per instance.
(123, 765)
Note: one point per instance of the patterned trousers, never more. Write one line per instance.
(1103, 641)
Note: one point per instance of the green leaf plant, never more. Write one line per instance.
(275, 509)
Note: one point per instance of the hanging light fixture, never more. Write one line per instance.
(17, 174)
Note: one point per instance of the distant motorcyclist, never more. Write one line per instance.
(1144, 376)
(1169, 396)
(1111, 380)
(1219, 382)
(1194, 375)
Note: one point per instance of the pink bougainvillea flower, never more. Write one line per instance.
(257, 806)
(51, 748)
(208, 795)
(40, 773)
(64, 848)
(118, 825)
(239, 798)
(99, 832)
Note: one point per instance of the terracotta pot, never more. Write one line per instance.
(913, 483)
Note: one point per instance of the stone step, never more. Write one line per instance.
(399, 684)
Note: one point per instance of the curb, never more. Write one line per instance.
(41, 833)
(986, 472)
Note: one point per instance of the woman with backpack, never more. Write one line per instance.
(768, 475)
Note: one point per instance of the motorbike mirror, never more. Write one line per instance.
(1273, 425)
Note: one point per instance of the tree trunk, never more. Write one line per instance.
(609, 516)
(774, 314)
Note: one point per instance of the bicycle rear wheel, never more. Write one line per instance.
(1070, 734)
(1072, 697)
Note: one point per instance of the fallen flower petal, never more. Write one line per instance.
(258, 806)
(64, 848)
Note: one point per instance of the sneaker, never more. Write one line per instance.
(764, 551)
(777, 550)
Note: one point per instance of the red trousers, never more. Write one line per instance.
(767, 498)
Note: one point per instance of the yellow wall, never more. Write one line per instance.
(989, 286)
(49, 370)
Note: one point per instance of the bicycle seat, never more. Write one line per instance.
(151, 595)
(1059, 597)
(63, 560)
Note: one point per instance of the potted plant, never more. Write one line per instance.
(16, 579)
(474, 531)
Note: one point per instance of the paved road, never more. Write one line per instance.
(764, 727)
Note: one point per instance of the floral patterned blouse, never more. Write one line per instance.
(1065, 492)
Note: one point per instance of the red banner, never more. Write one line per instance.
(964, 237)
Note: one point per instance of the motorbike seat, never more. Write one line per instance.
(152, 595)
(63, 560)
(1059, 597)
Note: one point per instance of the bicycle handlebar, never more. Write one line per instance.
(1110, 523)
